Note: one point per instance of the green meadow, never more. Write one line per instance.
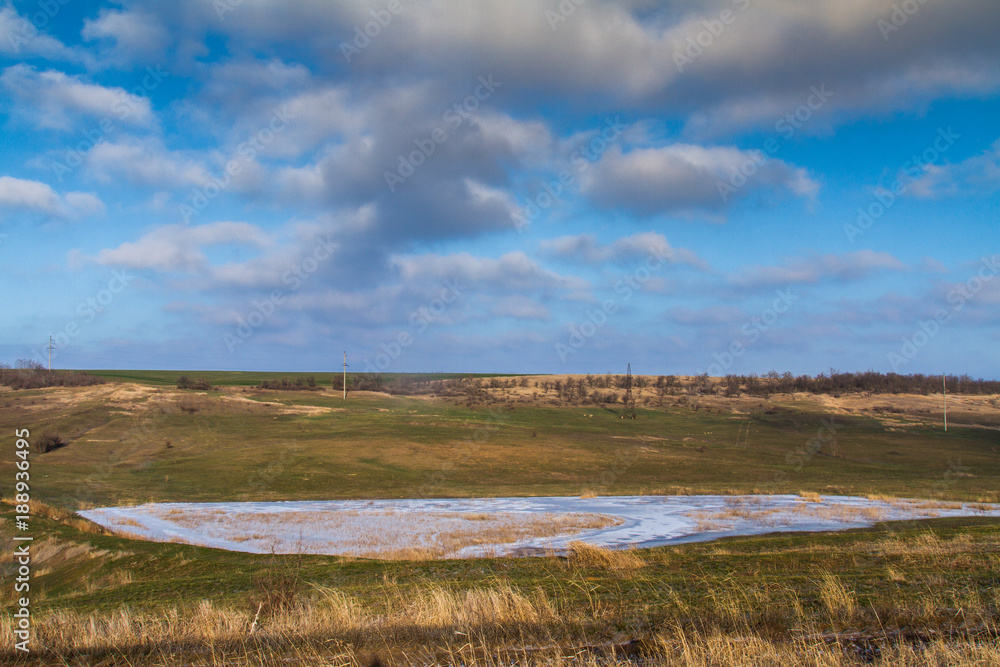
(904, 592)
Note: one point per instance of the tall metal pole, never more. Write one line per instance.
(50, 353)
(345, 375)
(944, 394)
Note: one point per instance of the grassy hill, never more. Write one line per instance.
(913, 592)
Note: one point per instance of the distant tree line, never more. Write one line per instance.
(286, 384)
(869, 382)
(604, 389)
(28, 374)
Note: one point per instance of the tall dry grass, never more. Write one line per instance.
(753, 626)
(584, 555)
(497, 614)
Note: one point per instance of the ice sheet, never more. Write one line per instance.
(333, 527)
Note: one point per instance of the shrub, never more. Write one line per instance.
(48, 442)
(184, 382)
(28, 374)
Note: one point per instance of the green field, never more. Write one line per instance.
(164, 444)
(894, 586)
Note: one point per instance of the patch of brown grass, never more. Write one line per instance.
(590, 556)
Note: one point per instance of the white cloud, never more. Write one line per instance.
(53, 99)
(520, 307)
(512, 271)
(979, 173)
(21, 38)
(144, 163)
(843, 268)
(585, 248)
(134, 36)
(179, 247)
(86, 203)
(18, 193)
(685, 178)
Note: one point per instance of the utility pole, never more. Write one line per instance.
(50, 348)
(629, 399)
(345, 375)
(944, 394)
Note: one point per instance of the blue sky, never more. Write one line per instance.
(729, 186)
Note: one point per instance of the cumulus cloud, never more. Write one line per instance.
(585, 248)
(512, 271)
(21, 38)
(520, 307)
(766, 61)
(842, 268)
(38, 197)
(130, 36)
(625, 55)
(53, 99)
(685, 179)
(977, 174)
(144, 162)
(180, 247)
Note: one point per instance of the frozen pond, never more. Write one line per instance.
(496, 526)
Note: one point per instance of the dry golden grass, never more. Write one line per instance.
(840, 602)
(505, 625)
(928, 545)
(586, 555)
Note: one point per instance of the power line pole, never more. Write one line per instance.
(50, 348)
(345, 375)
(629, 399)
(944, 395)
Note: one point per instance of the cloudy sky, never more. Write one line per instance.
(502, 185)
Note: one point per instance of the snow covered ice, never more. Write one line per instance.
(459, 528)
